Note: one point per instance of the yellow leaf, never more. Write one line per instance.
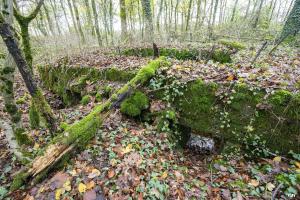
(127, 149)
(81, 187)
(254, 182)
(73, 172)
(67, 185)
(90, 185)
(164, 175)
(277, 159)
(230, 77)
(36, 146)
(297, 164)
(113, 162)
(58, 193)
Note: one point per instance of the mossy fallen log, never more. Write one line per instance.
(80, 133)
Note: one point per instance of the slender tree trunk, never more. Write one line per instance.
(123, 17)
(96, 24)
(82, 38)
(159, 15)
(257, 16)
(50, 24)
(65, 15)
(176, 15)
(89, 16)
(73, 16)
(272, 10)
(54, 8)
(36, 93)
(247, 9)
(213, 19)
(188, 16)
(234, 10)
(148, 17)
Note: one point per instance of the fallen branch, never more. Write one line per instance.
(80, 133)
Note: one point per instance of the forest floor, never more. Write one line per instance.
(131, 160)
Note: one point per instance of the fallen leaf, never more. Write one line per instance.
(277, 159)
(111, 173)
(67, 186)
(81, 187)
(164, 175)
(254, 182)
(239, 196)
(297, 164)
(230, 77)
(58, 193)
(94, 173)
(127, 149)
(270, 186)
(90, 185)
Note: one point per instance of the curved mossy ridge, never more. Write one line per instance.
(77, 135)
(232, 114)
(220, 54)
(70, 82)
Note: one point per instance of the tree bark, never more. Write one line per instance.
(82, 38)
(234, 10)
(148, 17)
(123, 17)
(258, 12)
(36, 93)
(96, 22)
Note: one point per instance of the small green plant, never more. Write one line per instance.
(134, 105)
(232, 44)
(85, 100)
(98, 97)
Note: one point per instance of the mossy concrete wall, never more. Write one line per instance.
(210, 109)
(233, 113)
(70, 82)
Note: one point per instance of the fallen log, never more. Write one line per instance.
(80, 133)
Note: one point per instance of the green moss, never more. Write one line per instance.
(63, 125)
(34, 117)
(196, 106)
(232, 44)
(85, 100)
(134, 105)
(22, 138)
(21, 100)
(221, 56)
(19, 181)
(98, 97)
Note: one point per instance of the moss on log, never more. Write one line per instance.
(80, 133)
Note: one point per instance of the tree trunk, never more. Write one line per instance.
(82, 38)
(37, 96)
(257, 16)
(188, 15)
(89, 16)
(96, 24)
(54, 8)
(234, 10)
(65, 15)
(73, 16)
(123, 17)
(80, 133)
(15, 132)
(50, 24)
(148, 17)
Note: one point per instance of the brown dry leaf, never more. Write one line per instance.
(111, 173)
(95, 172)
(28, 197)
(180, 193)
(90, 185)
(230, 77)
(254, 182)
(179, 176)
(140, 197)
